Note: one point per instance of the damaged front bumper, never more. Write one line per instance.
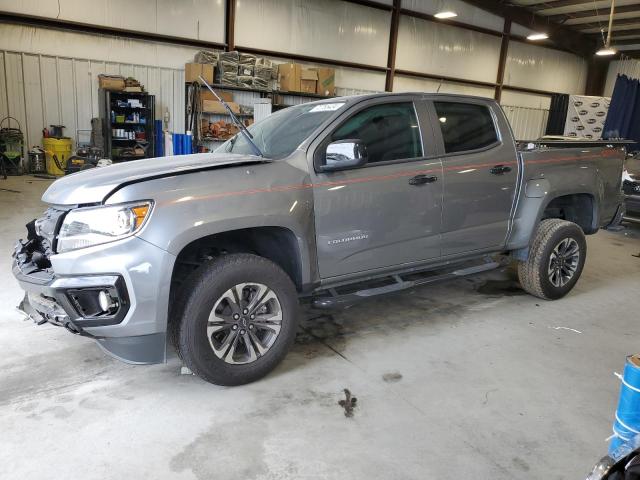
(119, 299)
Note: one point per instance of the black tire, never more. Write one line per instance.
(196, 301)
(534, 272)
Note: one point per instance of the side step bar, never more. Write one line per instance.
(339, 298)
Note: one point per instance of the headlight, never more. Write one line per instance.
(84, 227)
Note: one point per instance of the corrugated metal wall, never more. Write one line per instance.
(43, 90)
(527, 123)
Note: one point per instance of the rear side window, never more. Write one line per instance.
(389, 131)
(465, 126)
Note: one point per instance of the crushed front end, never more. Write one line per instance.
(107, 292)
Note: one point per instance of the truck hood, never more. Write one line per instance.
(95, 184)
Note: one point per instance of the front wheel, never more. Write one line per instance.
(238, 319)
(556, 258)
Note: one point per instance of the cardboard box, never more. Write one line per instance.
(205, 94)
(308, 80)
(326, 81)
(111, 82)
(214, 106)
(289, 74)
(193, 70)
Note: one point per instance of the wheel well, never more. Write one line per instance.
(577, 208)
(278, 244)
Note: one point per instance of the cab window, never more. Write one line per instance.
(465, 126)
(389, 131)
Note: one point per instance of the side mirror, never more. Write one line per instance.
(343, 154)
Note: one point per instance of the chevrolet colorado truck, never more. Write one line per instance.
(328, 202)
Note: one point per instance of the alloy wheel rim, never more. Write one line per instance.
(563, 262)
(244, 323)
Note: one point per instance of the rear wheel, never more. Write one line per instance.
(237, 319)
(556, 258)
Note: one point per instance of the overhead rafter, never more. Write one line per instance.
(616, 24)
(562, 36)
(630, 41)
(558, 4)
(604, 12)
(618, 33)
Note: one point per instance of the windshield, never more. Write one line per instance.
(280, 133)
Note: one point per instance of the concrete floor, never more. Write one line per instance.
(470, 379)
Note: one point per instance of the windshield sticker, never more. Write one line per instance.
(326, 107)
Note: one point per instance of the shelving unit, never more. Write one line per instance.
(260, 93)
(113, 105)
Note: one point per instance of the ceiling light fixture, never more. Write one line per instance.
(603, 52)
(607, 50)
(537, 36)
(445, 14)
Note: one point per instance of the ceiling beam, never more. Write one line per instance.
(604, 12)
(629, 53)
(617, 33)
(631, 41)
(562, 36)
(557, 4)
(616, 23)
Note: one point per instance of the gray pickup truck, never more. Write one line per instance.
(329, 203)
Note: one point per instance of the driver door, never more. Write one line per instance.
(386, 213)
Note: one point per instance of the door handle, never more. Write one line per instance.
(422, 179)
(500, 169)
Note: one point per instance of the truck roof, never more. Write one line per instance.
(367, 96)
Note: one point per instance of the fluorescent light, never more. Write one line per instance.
(537, 36)
(446, 14)
(605, 51)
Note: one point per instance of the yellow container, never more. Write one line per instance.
(61, 147)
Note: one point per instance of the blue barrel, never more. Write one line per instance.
(186, 144)
(159, 144)
(177, 144)
(627, 421)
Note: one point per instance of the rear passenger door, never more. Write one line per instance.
(387, 212)
(480, 174)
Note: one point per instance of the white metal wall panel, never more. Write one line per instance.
(411, 84)
(466, 13)
(84, 102)
(67, 94)
(153, 86)
(112, 68)
(195, 19)
(103, 48)
(50, 96)
(15, 88)
(532, 66)
(178, 100)
(527, 123)
(164, 101)
(33, 98)
(522, 31)
(321, 28)
(4, 111)
(127, 71)
(96, 68)
(433, 48)
(200, 19)
(529, 100)
(45, 90)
